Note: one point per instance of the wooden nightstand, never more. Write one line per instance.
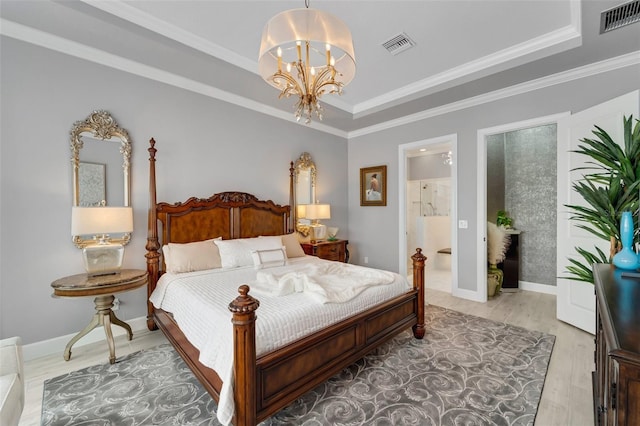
(329, 250)
(103, 287)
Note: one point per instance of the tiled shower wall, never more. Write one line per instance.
(529, 159)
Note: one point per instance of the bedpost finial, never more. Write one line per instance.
(418, 256)
(244, 303)
(152, 150)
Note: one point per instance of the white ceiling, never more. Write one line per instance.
(463, 48)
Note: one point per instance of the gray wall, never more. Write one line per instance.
(429, 166)
(204, 146)
(373, 231)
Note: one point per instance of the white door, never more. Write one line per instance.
(576, 299)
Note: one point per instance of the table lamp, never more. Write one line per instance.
(315, 212)
(103, 257)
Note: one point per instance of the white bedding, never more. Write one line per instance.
(199, 301)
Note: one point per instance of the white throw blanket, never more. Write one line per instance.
(333, 282)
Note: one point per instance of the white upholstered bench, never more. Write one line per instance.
(12, 383)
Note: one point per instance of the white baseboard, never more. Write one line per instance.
(57, 344)
(538, 288)
(466, 294)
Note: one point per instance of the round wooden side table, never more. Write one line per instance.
(103, 287)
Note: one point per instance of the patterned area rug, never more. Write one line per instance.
(467, 370)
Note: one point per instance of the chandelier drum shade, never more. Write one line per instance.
(306, 53)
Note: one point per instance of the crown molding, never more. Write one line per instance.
(62, 45)
(561, 39)
(595, 68)
(78, 50)
(143, 19)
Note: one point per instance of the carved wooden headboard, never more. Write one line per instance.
(227, 214)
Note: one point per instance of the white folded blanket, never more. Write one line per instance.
(327, 282)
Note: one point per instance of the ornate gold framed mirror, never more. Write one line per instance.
(305, 177)
(101, 162)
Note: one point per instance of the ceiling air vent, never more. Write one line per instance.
(399, 43)
(619, 16)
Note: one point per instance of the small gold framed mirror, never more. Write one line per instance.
(305, 179)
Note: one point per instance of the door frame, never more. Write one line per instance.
(403, 158)
(481, 251)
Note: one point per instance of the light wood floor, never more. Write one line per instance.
(566, 399)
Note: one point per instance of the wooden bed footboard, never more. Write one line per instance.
(288, 373)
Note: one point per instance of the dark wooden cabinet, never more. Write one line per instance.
(616, 380)
(511, 264)
(329, 250)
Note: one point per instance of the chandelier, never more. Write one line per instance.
(306, 53)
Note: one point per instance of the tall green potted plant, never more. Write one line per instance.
(610, 187)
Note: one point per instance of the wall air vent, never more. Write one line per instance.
(619, 16)
(399, 43)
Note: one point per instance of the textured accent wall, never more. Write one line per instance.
(530, 199)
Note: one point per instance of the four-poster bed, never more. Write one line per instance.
(265, 383)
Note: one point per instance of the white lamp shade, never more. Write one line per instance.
(301, 210)
(101, 220)
(319, 28)
(317, 211)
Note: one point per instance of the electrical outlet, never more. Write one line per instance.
(116, 304)
(366, 260)
(463, 224)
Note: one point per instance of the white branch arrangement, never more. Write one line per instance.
(497, 243)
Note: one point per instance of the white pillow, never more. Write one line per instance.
(234, 253)
(190, 257)
(269, 258)
(292, 245)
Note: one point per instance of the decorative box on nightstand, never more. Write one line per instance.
(328, 250)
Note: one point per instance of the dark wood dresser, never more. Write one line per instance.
(328, 250)
(616, 381)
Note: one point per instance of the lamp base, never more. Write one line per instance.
(317, 232)
(103, 259)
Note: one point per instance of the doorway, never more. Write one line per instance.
(427, 209)
(522, 180)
